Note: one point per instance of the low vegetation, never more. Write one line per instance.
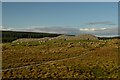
(60, 58)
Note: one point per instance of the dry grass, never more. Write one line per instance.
(100, 59)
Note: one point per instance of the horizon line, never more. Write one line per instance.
(62, 34)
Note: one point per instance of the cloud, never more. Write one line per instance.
(91, 29)
(5, 29)
(101, 22)
(98, 31)
(101, 31)
(60, 30)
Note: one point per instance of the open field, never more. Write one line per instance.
(61, 58)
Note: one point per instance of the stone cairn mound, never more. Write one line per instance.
(65, 37)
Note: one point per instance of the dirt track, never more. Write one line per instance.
(81, 56)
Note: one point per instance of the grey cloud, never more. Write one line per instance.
(112, 24)
(101, 22)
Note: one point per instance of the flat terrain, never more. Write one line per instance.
(61, 58)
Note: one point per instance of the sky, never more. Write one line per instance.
(60, 0)
(98, 18)
(0, 14)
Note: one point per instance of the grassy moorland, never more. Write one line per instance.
(61, 59)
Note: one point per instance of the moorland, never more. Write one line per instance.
(56, 57)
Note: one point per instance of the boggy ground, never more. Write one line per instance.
(61, 59)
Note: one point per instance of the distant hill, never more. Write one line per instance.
(9, 36)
